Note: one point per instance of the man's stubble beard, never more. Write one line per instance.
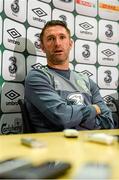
(57, 61)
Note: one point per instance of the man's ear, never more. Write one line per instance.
(71, 43)
(42, 47)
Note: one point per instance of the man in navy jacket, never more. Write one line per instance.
(58, 98)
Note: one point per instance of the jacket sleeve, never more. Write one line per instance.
(104, 120)
(40, 92)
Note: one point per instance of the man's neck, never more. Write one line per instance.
(59, 66)
(63, 72)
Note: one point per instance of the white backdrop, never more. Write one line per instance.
(94, 26)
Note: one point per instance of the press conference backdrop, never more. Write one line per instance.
(94, 26)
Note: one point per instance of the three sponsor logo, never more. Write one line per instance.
(108, 76)
(15, 6)
(12, 67)
(37, 42)
(109, 31)
(63, 18)
(86, 52)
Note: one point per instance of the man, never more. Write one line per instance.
(58, 98)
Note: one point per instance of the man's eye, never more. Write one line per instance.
(62, 37)
(50, 39)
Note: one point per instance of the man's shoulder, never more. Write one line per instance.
(39, 72)
(81, 75)
(87, 79)
(39, 69)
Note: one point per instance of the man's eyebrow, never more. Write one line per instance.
(49, 36)
(61, 34)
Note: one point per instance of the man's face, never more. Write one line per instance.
(56, 44)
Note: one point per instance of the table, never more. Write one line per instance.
(77, 151)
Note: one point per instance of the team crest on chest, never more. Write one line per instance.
(76, 98)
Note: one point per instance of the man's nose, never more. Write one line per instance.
(57, 41)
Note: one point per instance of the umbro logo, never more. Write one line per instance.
(86, 26)
(36, 66)
(108, 99)
(12, 95)
(13, 33)
(108, 52)
(39, 12)
(87, 73)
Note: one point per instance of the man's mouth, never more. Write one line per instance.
(58, 51)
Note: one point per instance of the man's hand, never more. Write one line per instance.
(97, 108)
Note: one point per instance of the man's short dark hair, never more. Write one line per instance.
(54, 23)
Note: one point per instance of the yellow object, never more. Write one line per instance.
(76, 151)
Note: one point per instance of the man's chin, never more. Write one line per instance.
(58, 62)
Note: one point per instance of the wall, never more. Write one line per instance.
(94, 28)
